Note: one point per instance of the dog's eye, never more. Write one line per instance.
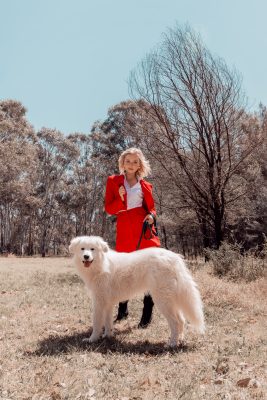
(82, 248)
(91, 249)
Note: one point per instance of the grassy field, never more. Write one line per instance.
(45, 313)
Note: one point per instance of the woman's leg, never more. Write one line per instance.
(122, 311)
(147, 312)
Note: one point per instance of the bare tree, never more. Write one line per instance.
(197, 104)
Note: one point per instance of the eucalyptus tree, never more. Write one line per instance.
(84, 187)
(17, 168)
(55, 155)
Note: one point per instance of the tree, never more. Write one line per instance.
(17, 169)
(115, 134)
(197, 104)
(55, 154)
(84, 187)
(247, 220)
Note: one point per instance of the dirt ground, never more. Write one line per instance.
(45, 313)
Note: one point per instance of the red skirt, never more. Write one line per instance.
(129, 228)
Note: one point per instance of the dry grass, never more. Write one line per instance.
(45, 314)
(229, 261)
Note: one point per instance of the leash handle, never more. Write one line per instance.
(146, 226)
(142, 233)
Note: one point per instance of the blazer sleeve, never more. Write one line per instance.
(149, 200)
(113, 201)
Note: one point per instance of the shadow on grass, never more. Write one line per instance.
(56, 345)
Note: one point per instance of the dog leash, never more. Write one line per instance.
(147, 227)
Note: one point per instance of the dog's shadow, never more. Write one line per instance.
(55, 345)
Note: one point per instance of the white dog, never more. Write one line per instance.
(113, 277)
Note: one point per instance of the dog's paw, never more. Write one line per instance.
(175, 344)
(107, 335)
(91, 339)
(172, 343)
(86, 340)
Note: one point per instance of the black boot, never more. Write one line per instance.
(147, 312)
(122, 311)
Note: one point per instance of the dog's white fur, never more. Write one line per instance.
(113, 277)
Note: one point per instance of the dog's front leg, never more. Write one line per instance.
(97, 322)
(108, 322)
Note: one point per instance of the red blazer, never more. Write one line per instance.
(113, 201)
(130, 222)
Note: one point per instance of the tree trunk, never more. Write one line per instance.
(218, 226)
(43, 242)
(164, 236)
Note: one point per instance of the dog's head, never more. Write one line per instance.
(88, 249)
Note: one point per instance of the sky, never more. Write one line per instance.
(68, 61)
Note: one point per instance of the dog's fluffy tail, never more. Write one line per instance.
(191, 304)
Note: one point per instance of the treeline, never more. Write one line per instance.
(208, 157)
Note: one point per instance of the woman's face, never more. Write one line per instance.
(131, 163)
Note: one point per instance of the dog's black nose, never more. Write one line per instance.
(85, 257)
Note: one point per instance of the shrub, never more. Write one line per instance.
(229, 261)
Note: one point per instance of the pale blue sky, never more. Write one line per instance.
(68, 61)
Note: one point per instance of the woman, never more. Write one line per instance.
(129, 197)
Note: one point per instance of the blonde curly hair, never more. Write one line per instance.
(144, 168)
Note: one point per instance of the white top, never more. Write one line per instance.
(134, 195)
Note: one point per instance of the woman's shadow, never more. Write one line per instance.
(55, 345)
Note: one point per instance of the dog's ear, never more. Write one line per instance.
(73, 244)
(104, 246)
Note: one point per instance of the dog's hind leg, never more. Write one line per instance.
(174, 327)
(175, 323)
(108, 322)
(181, 323)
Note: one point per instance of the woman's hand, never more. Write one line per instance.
(149, 218)
(122, 192)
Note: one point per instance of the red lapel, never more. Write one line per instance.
(120, 182)
(145, 189)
